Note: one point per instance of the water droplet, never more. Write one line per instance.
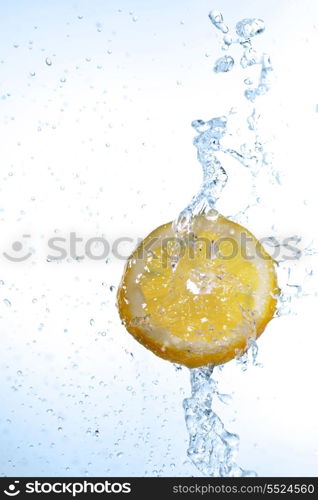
(263, 85)
(247, 28)
(227, 40)
(48, 61)
(7, 302)
(223, 64)
(32, 73)
(216, 19)
(92, 322)
(112, 288)
(249, 58)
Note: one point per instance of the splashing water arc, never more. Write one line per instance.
(165, 299)
(213, 449)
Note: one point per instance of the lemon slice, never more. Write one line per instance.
(198, 299)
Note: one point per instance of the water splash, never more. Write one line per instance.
(248, 28)
(211, 132)
(207, 143)
(264, 80)
(212, 448)
(224, 64)
(216, 19)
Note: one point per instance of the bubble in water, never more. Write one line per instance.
(247, 28)
(264, 80)
(216, 19)
(249, 58)
(223, 64)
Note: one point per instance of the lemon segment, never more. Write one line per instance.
(200, 299)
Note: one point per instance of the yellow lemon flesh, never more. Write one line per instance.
(199, 299)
